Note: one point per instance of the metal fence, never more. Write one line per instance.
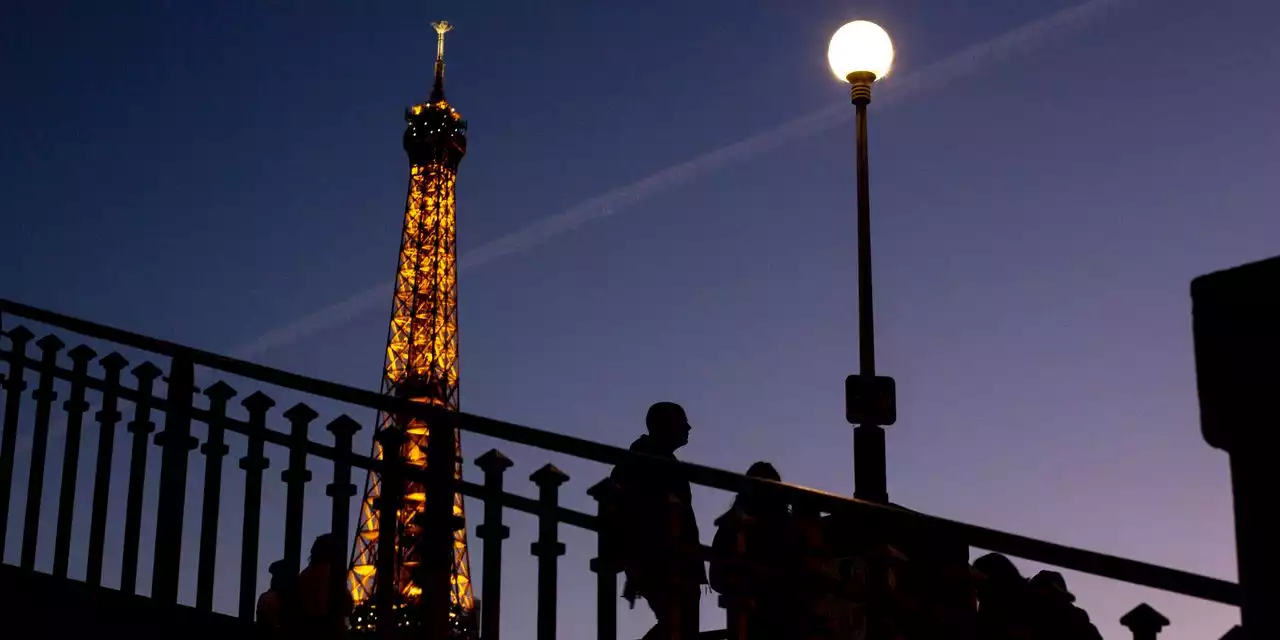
(186, 394)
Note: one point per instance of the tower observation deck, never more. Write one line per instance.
(422, 349)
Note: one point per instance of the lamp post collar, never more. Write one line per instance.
(860, 86)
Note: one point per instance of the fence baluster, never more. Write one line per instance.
(440, 525)
(176, 444)
(676, 611)
(736, 605)
(75, 406)
(44, 395)
(390, 487)
(254, 464)
(492, 532)
(604, 564)
(107, 418)
(1144, 622)
(141, 427)
(13, 385)
(340, 491)
(548, 547)
(296, 478)
(214, 450)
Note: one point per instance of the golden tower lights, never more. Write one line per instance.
(422, 345)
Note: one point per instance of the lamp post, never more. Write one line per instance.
(861, 53)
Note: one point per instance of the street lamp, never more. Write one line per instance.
(861, 53)
(860, 47)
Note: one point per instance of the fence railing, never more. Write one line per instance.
(185, 405)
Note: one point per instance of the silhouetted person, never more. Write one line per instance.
(1053, 612)
(815, 584)
(764, 572)
(935, 590)
(1002, 600)
(659, 534)
(315, 620)
(274, 603)
(727, 572)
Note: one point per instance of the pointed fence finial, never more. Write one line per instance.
(1144, 622)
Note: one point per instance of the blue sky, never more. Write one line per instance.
(213, 173)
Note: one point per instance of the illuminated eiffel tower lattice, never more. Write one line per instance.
(422, 346)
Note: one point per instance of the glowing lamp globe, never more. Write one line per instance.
(860, 46)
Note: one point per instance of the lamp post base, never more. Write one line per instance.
(869, 475)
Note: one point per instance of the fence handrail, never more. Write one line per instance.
(321, 450)
(235, 366)
(1104, 565)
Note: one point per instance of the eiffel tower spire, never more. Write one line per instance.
(437, 89)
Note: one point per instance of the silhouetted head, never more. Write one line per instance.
(668, 425)
(997, 568)
(764, 471)
(326, 549)
(999, 576)
(280, 574)
(1052, 585)
(760, 502)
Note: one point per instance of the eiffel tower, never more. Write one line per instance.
(422, 345)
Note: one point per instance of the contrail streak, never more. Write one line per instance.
(963, 63)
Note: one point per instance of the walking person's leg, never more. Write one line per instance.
(681, 617)
(665, 610)
(678, 613)
(691, 612)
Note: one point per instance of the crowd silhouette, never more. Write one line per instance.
(297, 606)
(783, 571)
(786, 573)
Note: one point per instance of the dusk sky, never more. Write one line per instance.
(229, 175)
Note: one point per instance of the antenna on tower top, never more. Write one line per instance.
(437, 91)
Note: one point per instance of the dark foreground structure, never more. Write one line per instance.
(138, 398)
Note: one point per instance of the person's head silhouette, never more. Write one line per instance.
(280, 574)
(753, 501)
(668, 425)
(1000, 578)
(764, 471)
(1051, 586)
(326, 550)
